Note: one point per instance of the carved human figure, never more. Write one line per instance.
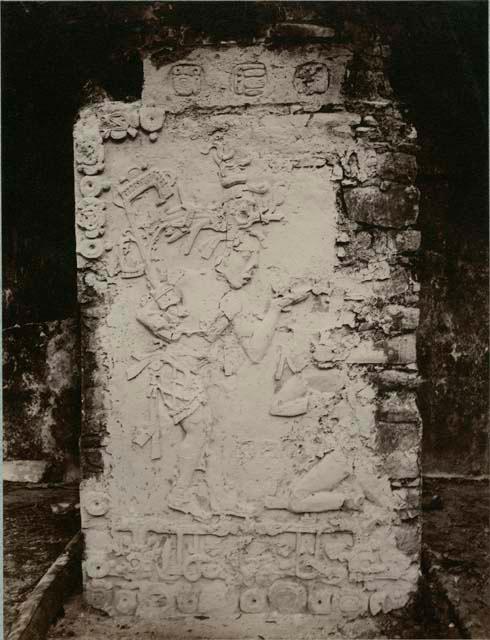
(173, 370)
(246, 204)
(178, 386)
(257, 344)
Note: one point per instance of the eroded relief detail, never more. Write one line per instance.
(186, 79)
(284, 570)
(89, 149)
(251, 465)
(310, 78)
(119, 123)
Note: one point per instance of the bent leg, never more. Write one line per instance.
(313, 492)
(324, 476)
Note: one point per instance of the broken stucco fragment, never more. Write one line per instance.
(395, 350)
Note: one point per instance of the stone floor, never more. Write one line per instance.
(456, 538)
(33, 537)
(454, 599)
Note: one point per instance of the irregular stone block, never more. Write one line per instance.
(397, 284)
(396, 435)
(336, 119)
(402, 349)
(399, 167)
(395, 208)
(408, 537)
(398, 407)
(396, 350)
(408, 498)
(301, 31)
(403, 464)
(24, 470)
(408, 241)
(403, 318)
(392, 379)
(368, 353)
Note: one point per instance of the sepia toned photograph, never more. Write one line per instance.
(245, 320)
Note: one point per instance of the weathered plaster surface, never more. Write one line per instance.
(250, 436)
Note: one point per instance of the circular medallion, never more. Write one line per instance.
(96, 503)
(253, 600)
(287, 596)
